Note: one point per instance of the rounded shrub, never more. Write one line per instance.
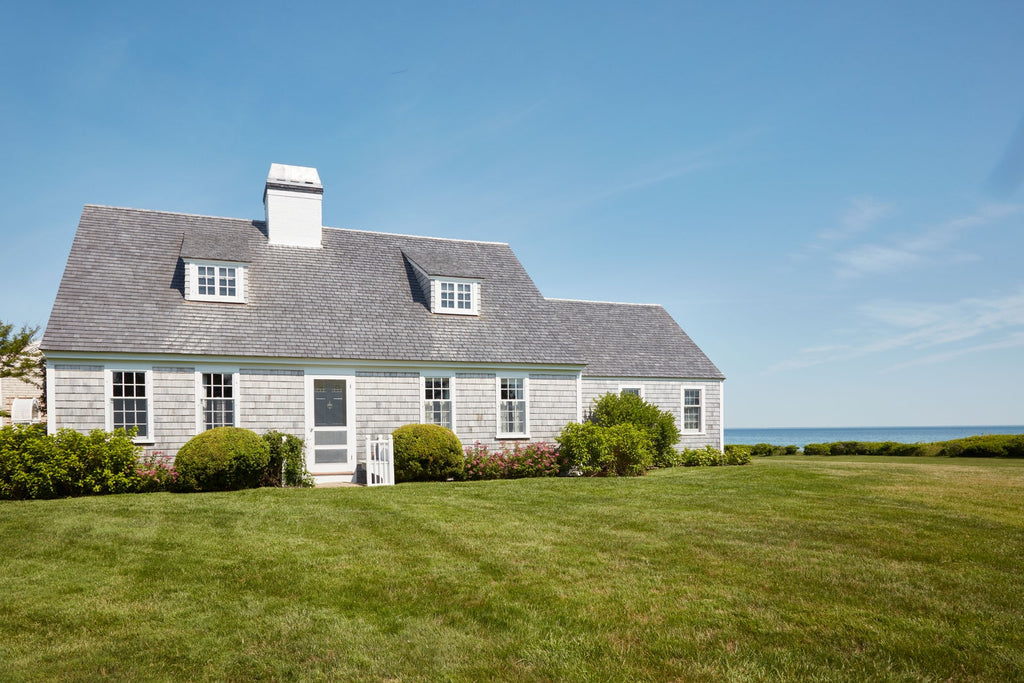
(222, 459)
(427, 453)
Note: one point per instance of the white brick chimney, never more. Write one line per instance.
(293, 199)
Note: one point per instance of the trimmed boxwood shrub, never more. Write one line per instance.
(427, 453)
(614, 409)
(222, 459)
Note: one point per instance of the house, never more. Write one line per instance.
(174, 323)
(19, 398)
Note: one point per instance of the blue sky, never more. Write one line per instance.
(826, 196)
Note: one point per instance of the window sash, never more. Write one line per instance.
(129, 401)
(218, 400)
(437, 401)
(447, 295)
(512, 405)
(228, 281)
(465, 296)
(692, 409)
(207, 278)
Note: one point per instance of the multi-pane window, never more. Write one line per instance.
(215, 282)
(437, 401)
(129, 402)
(692, 405)
(457, 297)
(512, 405)
(218, 400)
(636, 391)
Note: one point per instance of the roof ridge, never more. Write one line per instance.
(175, 213)
(592, 301)
(419, 237)
(327, 227)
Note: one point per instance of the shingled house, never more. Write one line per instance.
(174, 323)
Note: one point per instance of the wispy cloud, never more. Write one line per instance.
(860, 216)
(941, 332)
(931, 245)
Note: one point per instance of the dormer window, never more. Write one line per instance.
(451, 287)
(215, 281)
(459, 297)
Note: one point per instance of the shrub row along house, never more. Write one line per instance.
(173, 324)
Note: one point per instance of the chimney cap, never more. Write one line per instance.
(298, 177)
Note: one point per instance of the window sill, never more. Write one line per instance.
(512, 436)
(144, 441)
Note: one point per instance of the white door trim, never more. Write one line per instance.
(352, 442)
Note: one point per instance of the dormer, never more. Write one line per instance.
(450, 289)
(293, 199)
(216, 265)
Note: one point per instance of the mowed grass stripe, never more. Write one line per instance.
(817, 568)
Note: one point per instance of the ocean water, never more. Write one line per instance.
(803, 436)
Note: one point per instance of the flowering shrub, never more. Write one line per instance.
(156, 472)
(482, 464)
(516, 462)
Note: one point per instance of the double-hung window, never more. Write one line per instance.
(218, 399)
(437, 401)
(693, 409)
(512, 415)
(129, 402)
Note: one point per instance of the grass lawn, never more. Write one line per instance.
(800, 567)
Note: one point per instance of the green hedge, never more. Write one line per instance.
(710, 456)
(988, 446)
(867, 448)
(68, 463)
(427, 453)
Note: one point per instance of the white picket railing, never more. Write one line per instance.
(380, 461)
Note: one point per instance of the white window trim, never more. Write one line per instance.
(435, 295)
(682, 408)
(450, 374)
(192, 281)
(108, 398)
(497, 404)
(640, 387)
(200, 393)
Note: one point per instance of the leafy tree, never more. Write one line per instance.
(18, 358)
